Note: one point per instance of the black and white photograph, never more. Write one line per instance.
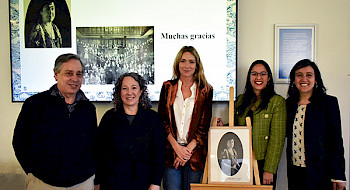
(108, 52)
(230, 154)
(47, 24)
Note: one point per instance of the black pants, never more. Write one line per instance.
(297, 180)
(261, 172)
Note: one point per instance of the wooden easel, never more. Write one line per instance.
(205, 184)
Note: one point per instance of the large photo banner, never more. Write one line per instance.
(115, 36)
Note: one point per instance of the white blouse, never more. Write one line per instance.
(183, 110)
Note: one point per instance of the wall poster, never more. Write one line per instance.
(115, 36)
(293, 42)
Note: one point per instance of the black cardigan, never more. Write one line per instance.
(324, 151)
(131, 156)
(54, 145)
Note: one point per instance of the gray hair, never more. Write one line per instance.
(64, 58)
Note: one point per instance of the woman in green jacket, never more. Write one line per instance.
(267, 111)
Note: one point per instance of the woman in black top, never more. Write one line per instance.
(315, 152)
(131, 139)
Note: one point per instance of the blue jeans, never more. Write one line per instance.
(181, 178)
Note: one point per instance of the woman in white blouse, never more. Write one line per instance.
(185, 108)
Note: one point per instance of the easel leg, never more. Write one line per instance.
(256, 170)
(205, 174)
(255, 162)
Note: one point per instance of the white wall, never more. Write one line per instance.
(256, 19)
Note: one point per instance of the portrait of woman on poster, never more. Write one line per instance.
(131, 140)
(315, 152)
(185, 108)
(268, 113)
(47, 24)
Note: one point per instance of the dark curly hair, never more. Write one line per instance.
(144, 101)
(319, 87)
(249, 96)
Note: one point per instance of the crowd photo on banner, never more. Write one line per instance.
(107, 59)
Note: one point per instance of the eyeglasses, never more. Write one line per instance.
(255, 74)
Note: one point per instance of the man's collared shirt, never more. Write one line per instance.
(79, 96)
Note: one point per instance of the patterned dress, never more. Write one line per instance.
(40, 38)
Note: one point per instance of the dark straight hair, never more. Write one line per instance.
(319, 88)
(249, 96)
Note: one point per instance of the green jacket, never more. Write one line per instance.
(268, 130)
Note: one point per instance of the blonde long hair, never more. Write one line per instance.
(198, 74)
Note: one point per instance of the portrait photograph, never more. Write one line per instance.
(47, 24)
(230, 154)
(230, 157)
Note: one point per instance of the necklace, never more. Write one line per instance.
(187, 85)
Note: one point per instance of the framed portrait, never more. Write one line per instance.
(114, 36)
(293, 42)
(230, 155)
